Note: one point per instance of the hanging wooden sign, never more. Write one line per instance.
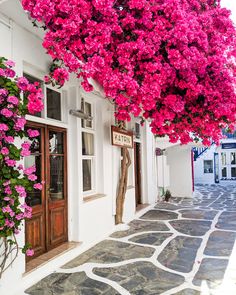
(121, 137)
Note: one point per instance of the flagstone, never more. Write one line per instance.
(137, 226)
(141, 278)
(109, 251)
(159, 215)
(198, 214)
(220, 243)
(211, 271)
(191, 227)
(180, 253)
(155, 239)
(70, 284)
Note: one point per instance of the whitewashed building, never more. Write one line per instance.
(175, 168)
(216, 164)
(76, 160)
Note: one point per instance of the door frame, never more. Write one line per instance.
(45, 176)
(49, 243)
(138, 173)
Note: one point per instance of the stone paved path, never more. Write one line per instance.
(182, 247)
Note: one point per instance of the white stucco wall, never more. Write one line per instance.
(199, 176)
(180, 170)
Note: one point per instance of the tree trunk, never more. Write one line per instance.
(120, 199)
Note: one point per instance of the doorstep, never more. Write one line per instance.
(141, 207)
(45, 258)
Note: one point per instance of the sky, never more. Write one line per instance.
(231, 5)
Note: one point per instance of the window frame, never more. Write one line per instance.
(46, 105)
(211, 167)
(92, 158)
(44, 116)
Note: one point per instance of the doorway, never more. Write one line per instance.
(48, 228)
(228, 165)
(138, 173)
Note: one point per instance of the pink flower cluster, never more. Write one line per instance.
(169, 61)
(58, 76)
(15, 184)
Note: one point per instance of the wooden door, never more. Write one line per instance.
(138, 173)
(35, 227)
(48, 226)
(56, 186)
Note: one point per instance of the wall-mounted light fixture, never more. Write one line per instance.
(80, 113)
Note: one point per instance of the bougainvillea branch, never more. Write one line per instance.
(169, 61)
(17, 98)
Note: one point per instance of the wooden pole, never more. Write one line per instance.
(120, 199)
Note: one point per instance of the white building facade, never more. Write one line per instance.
(175, 168)
(216, 164)
(74, 157)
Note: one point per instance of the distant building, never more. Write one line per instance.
(216, 164)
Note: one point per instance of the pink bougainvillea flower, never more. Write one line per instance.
(2, 73)
(10, 73)
(6, 113)
(9, 139)
(32, 133)
(60, 75)
(171, 62)
(32, 177)
(4, 151)
(3, 92)
(13, 100)
(38, 186)
(22, 83)
(10, 162)
(29, 170)
(25, 153)
(29, 252)
(10, 63)
(3, 127)
(21, 190)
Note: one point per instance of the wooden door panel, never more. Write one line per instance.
(35, 233)
(58, 231)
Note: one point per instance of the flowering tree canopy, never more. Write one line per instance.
(17, 97)
(170, 61)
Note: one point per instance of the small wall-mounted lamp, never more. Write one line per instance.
(80, 113)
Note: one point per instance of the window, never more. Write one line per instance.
(88, 110)
(32, 80)
(53, 104)
(224, 172)
(233, 158)
(137, 131)
(233, 172)
(88, 151)
(53, 100)
(223, 159)
(208, 166)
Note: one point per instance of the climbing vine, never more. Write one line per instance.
(17, 98)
